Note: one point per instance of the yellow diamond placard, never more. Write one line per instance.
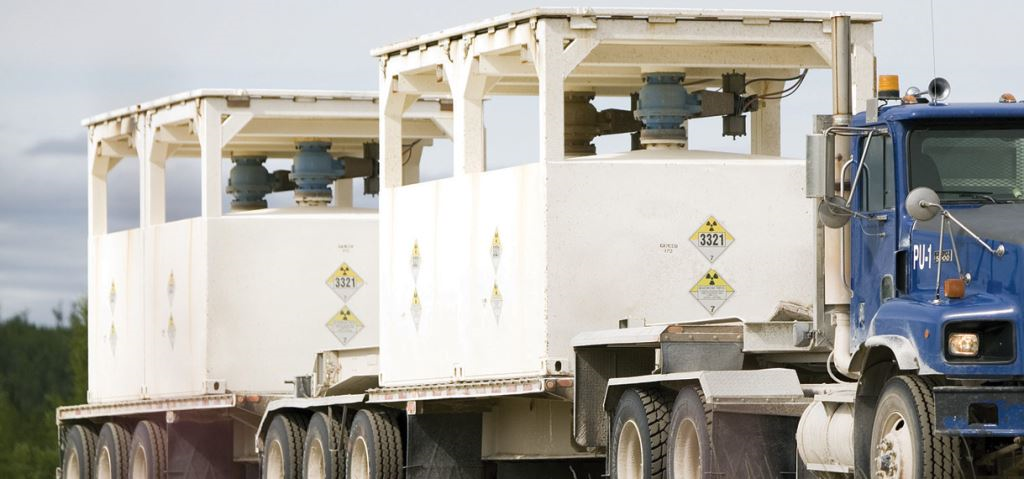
(711, 238)
(345, 325)
(712, 290)
(345, 282)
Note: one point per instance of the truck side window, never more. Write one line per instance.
(878, 183)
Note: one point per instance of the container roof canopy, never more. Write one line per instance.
(259, 122)
(606, 49)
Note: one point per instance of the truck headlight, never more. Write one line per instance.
(964, 344)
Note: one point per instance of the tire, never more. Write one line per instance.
(903, 439)
(112, 452)
(689, 436)
(282, 456)
(637, 445)
(374, 447)
(324, 453)
(79, 453)
(148, 454)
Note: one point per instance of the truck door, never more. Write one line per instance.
(873, 235)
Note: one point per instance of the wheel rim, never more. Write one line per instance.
(629, 454)
(73, 469)
(139, 466)
(360, 465)
(103, 466)
(275, 461)
(686, 452)
(895, 451)
(315, 461)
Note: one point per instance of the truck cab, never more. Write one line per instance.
(937, 193)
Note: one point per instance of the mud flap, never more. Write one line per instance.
(753, 446)
(444, 446)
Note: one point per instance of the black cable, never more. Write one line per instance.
(777, 79)
(408, 151)
(777, 95)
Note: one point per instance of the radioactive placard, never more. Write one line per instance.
(172, 330)
(170, 288)
(496, 250)
(711, 239)
(113, 296)
(345, 282)
(345, 325)
(496, 301)
(414, 260)
(416, 307)
(112, 338)
(712, 290)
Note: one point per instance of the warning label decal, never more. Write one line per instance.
(113, 296)
(414, 260)
(345, 325)
(496, 301)
(711, 238)
(496, 250)
(172, 330)
(416, 308)
(712, 290)
(345, 282)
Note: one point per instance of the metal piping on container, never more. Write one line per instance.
(250, 182)
(663, 106)
(313, 170)
(583, 123)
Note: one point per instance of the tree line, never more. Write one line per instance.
(41, 368)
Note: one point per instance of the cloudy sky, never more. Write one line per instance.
(64, 61)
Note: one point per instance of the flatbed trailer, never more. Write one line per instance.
(660, 312)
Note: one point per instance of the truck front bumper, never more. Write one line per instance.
(979, 410)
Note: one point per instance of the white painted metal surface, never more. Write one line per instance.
(491, 273)
(575, 265)
(229, 302)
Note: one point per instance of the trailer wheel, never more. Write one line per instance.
(148, 451)
(639, 434)
(374, 447)
(689, 436)
(903, 439)
(79, 453)
(282, 458)
(324, 452)
(112, 452)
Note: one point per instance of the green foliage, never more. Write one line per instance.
(40, 368)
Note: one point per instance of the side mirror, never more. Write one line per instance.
(923, 203)
(833, 212)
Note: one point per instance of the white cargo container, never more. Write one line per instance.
(491, 273)
(507, 266)
(217, 311)
(205, 305)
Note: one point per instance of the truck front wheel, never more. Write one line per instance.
(374, 447)
(79, 453)
(639, 433)
(903, 439)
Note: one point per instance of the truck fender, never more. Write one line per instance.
(905, 352)
(759, 383)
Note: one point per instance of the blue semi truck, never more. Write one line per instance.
(935, 249)
(925, 379)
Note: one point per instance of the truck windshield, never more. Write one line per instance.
(981, 164)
